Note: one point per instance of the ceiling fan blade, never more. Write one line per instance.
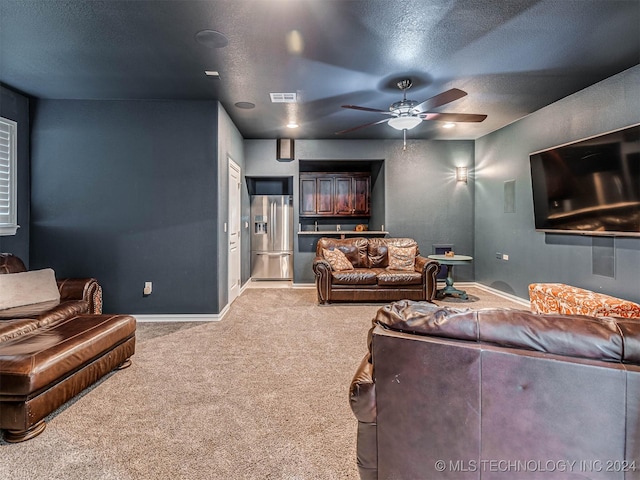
(361, 126)
(440, 99)
(453, 117)
(367, 109)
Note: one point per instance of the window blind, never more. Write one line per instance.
(8, 220)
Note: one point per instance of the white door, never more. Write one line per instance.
(234, 231)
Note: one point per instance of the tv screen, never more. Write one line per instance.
(590, 187)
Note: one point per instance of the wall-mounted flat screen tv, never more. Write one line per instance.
(589, 187)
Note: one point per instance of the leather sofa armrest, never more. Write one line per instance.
(424, 264)
(362, 397)
(429, 269)
(362, 392)
(87, 289)
(320, 263)
(322, 269)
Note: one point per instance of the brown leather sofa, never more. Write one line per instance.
(494, 394)
(48, 358)
(370, 280)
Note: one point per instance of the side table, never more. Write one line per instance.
(450, 262)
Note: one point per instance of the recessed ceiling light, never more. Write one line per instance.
(295, 42)
(212, 73)
(245, 105)
(292, 125)
(212, 39)
(449, 125)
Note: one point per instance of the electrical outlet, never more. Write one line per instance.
(148, 288)
(498, 255)
(505, 256)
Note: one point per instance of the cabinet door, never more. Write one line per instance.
(344, 196)
(307, 195)
(361, 187)
(328, 194)
(324, 196)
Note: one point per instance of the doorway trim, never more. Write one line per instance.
(234, 268)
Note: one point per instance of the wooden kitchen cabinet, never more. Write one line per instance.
(352, 195)
(316, 195)
(334, 194)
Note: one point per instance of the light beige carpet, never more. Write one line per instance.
(263, 394)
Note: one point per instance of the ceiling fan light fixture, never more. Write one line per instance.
(405, 123)
(292, 125)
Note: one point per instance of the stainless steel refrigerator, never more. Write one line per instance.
(271, 237)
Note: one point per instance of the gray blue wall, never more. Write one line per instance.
(423, 200)
(15, 106)
(135, 191)
(127, 192)
(535, 256)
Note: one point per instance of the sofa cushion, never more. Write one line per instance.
(14, 328)
(358, 276)
(566, 299)
(32, 362)
(338, 260)
(64, 310)
(608, 339)
(28, 311)
(378, 251)
(398, 277)
(402, 258)
(355, 249)
(28, 288)
(9, 263)
(378, 254)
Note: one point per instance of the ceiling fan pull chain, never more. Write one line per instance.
(404, 143)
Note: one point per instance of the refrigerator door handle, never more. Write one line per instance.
(270, 226)
(270, 254)
(285, 218)
(274, 225)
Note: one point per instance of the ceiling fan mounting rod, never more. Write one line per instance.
(404, 85)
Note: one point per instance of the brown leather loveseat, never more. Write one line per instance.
(50, 353)
(373, 276)
(459, 394)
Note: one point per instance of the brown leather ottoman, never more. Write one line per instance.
(43, 369)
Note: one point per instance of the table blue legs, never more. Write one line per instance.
(449, 289)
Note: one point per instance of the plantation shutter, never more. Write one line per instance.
(8, 219)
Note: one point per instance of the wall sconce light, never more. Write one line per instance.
(462, 174)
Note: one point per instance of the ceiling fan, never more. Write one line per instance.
(407, 114)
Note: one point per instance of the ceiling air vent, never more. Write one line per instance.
(284, 97)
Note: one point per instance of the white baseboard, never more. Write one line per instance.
(216, 317)
(522, 301)
(184, 317)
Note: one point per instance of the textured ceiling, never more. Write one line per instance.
(512, 57)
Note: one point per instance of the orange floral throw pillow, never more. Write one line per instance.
(402, 258)
(338, 260)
